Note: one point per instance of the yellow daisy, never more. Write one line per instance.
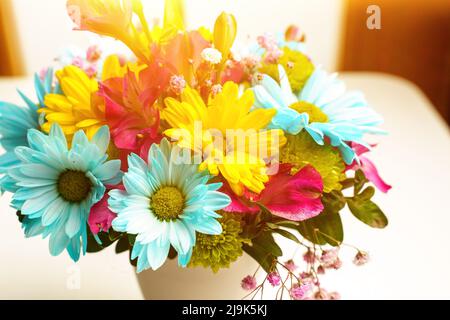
(231, 138)
(78, 107)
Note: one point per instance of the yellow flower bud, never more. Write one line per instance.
(225, 31)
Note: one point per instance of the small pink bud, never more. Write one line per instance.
(290, 265)
(329, 258)
(299, 291)
(91, 71)
(273, 55)
(337, 264)
(321, 270)
(361, 258)
(267, 41)
(274, 279)
(93, 54)
(78, 62)
(43, 74)
(177, 84)
(248, 283)
(309, 257)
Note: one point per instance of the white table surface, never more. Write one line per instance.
(410, 259)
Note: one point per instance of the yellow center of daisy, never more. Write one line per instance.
(315, 114)
(74, 186)
(167, 203)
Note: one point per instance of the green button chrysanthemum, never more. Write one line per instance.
(217, 252)
(298, 68)
(301, 150)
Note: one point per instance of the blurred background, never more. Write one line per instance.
(413, 42)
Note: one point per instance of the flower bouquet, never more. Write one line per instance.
(174, 145)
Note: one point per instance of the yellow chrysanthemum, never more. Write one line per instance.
(78, 107)
(231, 138)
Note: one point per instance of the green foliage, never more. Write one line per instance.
(93, 246)
(122, 245)
(264, 250)
(359, 181)
(361, 205)
(367, 212)
(323, 229)
(286, 234)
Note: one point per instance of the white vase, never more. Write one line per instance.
(171, 282)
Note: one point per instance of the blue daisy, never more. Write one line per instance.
(323, 108)
(15, 121)
(165, 203)
(55, 187)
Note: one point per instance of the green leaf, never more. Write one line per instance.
(367, 212)
(347, 183)
(132, 239)
(367, 194)
(323, 229)
(253, 226)
(360, 181)
(287, 235)
(93, 246)
(266, 215)
(288, 224)
(334, 201)
(132, 262)
(122, 245)
(113, 235)
(264, 250)
(20, 216)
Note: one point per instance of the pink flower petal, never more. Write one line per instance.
(368, 168)
(371, 173)
(296, 197)
(100, 218)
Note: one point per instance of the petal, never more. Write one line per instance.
(157, 252)
(216, 201)
(371, 173)
(180, 237)
(295, 197)
(108, 170)
(101, 139)
(184, 259)
(53, 212)
(73, 223)
(137, 185)
(209, 226)
(37, 204)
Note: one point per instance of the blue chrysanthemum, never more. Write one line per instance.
(323, 108)
(165, 203)
(15, 121)
(55, 187)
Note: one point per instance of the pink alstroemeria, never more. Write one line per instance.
(293, 197)
(368, 168)
(100, 217)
